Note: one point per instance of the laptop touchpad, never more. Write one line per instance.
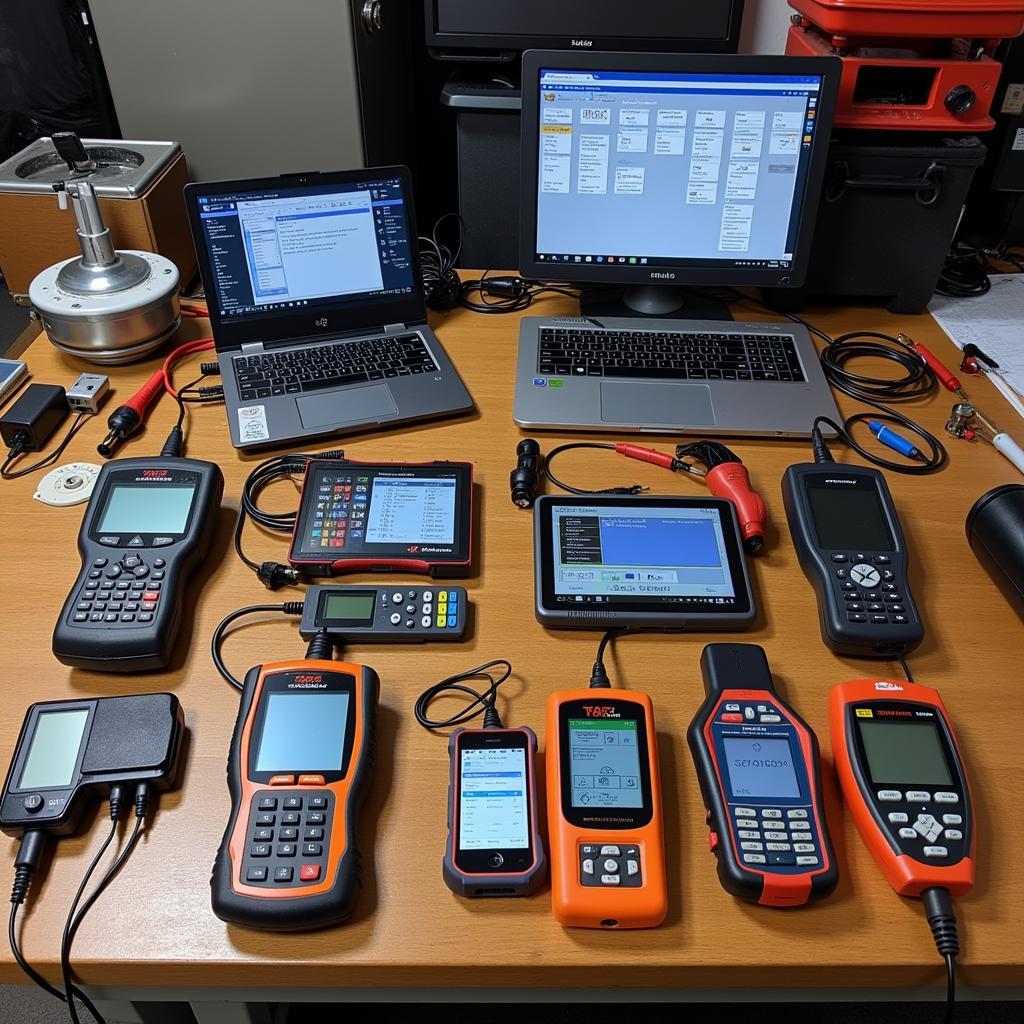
(351, 405)
(663, 404)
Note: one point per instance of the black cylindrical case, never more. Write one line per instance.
(995, 531)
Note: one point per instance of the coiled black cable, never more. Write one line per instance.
(549, 458)
(273, 574)
(482, 703)
(917, 382)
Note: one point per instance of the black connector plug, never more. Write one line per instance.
(938, 909)
(818, 445)
(29, 854)
(504, 287)
(210, 369)
(274, 575)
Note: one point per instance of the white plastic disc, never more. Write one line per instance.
(68, 485)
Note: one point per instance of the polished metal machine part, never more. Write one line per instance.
(106, 306)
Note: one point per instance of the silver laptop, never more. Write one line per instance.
(669, 376)
(316, 303)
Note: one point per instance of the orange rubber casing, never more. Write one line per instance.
(907, 875)
(327, 900)
(579, 906)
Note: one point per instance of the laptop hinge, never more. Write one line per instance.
(394, 328)
(249, 347)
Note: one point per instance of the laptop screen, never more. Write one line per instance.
(280, 250)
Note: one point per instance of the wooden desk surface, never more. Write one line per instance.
(154, 926)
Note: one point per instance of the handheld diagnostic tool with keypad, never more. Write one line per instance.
(759, 770)
(396, 614)
(384, 517)
(148, 527)
(604, 810)
(298, 770)
(903, 778)
(851, 549)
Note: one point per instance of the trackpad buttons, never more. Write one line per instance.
(350, 405)
(636, 402)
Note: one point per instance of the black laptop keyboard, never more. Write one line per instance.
(667, 355)
(294, 371)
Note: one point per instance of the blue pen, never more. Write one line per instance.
(893, 440)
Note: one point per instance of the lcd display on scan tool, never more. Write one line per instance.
(54, 751)
(303, 731)
(760, 768)
(604, 759)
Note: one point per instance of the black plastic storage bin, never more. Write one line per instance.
(889, 211)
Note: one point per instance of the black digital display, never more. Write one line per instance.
(849, 517)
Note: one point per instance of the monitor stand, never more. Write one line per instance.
(651, 300)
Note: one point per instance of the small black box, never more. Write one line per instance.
(34, 416)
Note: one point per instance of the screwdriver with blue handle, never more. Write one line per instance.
(895, 441)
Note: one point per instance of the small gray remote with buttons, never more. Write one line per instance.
(397, 613)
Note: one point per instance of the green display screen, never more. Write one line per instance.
(54, 750)
(904, 753)
(349, 607)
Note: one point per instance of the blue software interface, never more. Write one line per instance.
(607, 554)
(672, 169)
(273, 250)
(493, 812)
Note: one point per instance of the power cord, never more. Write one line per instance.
(18, 448)
(481, 703)
(966, 270)
(506, 294)
(441, 283)
(288, 608)
(598, 674)
(29, 854)
(938, 909)
(273, 574)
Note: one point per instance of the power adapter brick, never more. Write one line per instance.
(32, 419)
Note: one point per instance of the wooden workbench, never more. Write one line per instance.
(154, 927)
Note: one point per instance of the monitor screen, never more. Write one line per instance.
(278, 249)
(663, 175)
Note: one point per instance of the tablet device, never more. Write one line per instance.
(606, 561)
(380, 517)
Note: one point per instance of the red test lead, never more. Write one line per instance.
(945, 376)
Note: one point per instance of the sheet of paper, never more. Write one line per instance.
(995, 323)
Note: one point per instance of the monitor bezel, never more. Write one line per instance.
(509, 46)
(324, 319)
(830, 70)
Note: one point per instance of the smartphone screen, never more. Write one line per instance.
(493, 803)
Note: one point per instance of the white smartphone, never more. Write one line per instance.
(12, 373)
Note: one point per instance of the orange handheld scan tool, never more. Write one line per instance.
(759, 770)
(904, 781)
(298, 770)
(604, 810)
(902, 777)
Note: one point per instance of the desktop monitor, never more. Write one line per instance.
(658, 171)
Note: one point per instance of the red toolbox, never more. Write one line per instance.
(972, 19)
(907, 84)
